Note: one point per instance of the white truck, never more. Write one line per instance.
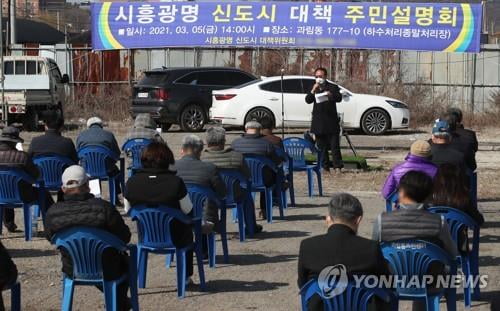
(32, 86)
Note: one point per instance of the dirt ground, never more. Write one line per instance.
(262, 272)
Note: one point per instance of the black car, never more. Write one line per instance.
(183, 95)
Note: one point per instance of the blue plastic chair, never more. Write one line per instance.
(412, 258)
(351, 299)
(245, 219)
(198, 196)
(11, 198)
(85, 246)
(153, 228)
(457, 222)
(256, 164)
(94, 160)
(392, 201)
(52, 168)
(287, 168)
(133, 148)
(295, 147)
(15, 296)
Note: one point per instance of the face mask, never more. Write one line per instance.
(320, 80)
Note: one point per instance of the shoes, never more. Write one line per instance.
(258, 228)
(338, 170)
(11, 226)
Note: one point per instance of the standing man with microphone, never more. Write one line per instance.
(325, 121)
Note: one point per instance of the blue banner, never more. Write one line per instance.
(451, 27)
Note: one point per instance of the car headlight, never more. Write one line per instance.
(396, 104)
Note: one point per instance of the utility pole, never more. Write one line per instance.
(12, 9)
(2, 77)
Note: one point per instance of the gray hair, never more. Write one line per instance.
(253, 125)
(216, 136)
(193, 143)
(345, 207)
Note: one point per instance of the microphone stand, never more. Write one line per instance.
(282, 106)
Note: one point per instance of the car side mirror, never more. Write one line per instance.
(65, 79)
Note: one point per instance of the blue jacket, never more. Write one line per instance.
(95, 135)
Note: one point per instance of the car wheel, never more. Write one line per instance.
(31, 120)
(375, 122)
(193, 118)
(165, 126)
(258, 114)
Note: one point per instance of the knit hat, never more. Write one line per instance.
(94, 120)
(421, 148)
(74, 177)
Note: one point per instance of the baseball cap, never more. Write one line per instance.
(74, 177)
(94, 120)
(421, 148)
(441, 127)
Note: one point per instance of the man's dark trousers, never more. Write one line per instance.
(331, 142)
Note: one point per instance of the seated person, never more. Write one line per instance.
(417, 160)
(340, 245)
(461, 143)
(412, 220)
(156, 184)
(10, 157)
(96, 135)
(267, 130)
(80, 208)
(466, 134)
(226, 158)
(8, 272)
(144, 127)
(192, 170)
(253, 142)
(441, 148)
(450, 190)
(52, 142)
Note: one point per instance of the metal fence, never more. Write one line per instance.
(463, 79)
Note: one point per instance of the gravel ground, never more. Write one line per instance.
(262, 272)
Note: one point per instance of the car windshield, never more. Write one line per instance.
(247, 84)
(153, 78)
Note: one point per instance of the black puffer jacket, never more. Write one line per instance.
(85, 210)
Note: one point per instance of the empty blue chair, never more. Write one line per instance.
(287, 168)
(153, 228)
(85, 246)
(15, 296)
(51, 168)
(412, 258)
(95, 159)
(459, 221)
(295, 147)
(392, 202)
(351, 299)
(198, 196)
(256, 165)
(230, 177)
(133, 148)
(10, 197)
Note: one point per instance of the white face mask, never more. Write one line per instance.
(320, 80)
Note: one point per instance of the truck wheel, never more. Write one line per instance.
(31, 119)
